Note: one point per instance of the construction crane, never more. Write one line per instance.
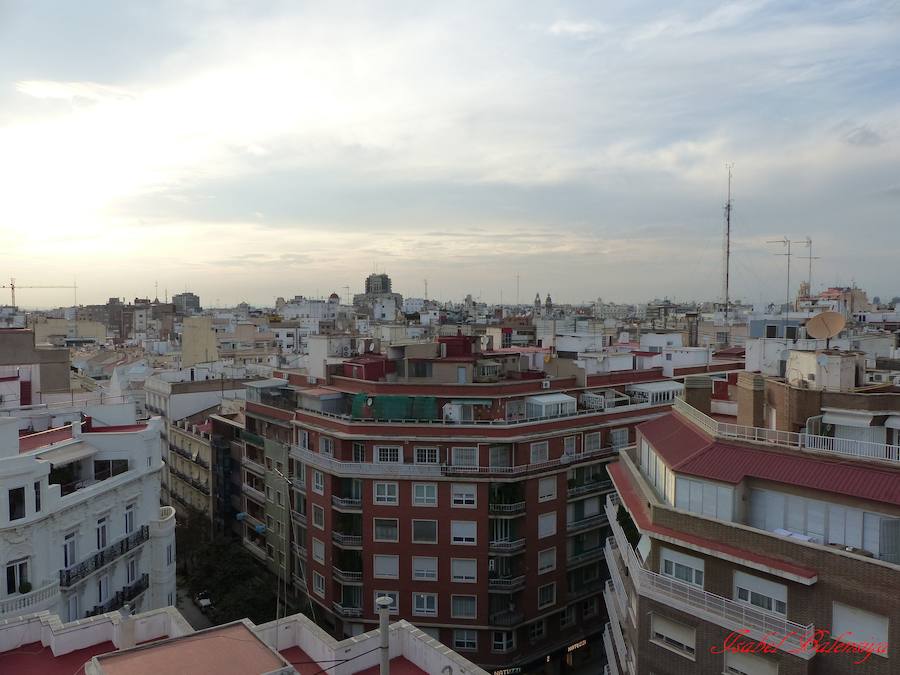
(12, 286)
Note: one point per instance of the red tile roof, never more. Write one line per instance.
(689, 451)
(304, 665)
(35, 659)
(637, 507)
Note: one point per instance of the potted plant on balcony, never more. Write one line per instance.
(24, 587)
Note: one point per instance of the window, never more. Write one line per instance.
(16, 575)
(17, 503)
(567, 618)
(129, 519)
(683, 567)
(618, 437)
(707, 499)
(37, 496)
(547, 560)
(590, 608)
(386, 566)
(424, 569)
(537, 630)
(863, 626)
(672, 634)
(318, 584)
(668, 356)
(569, 446)
(592, 441)
(464, 570)
(72, 607)
(547, 489)
(464, 495)
(547, 524)
(465, 457)
(386, 529)
(540, 452)
(102, 534)
(546, 595)
(318, 516)
(427, 455)
(69, 550)
(762, 593)
(387, 455)
(386, 494)
(500, 456)
(394, 607)
(131, 571)
(737, 663)
(424, 604)
(465, 640)
(102, 588)
(463, 606)
(771, 330)
(270, 552)
(463, 531)
(318, 482)
(318, 551)
(326, 446)
(359, 452)
(268, 493)
(425, 494)
(304, 440)
(424, 531)
(503, 641)
(790, 332)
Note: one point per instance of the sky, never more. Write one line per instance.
(252, 150)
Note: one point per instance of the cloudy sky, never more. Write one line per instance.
(250, 150)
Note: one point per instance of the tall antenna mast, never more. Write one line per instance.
(426, 289)
(787, 296)
(727, 267)
(810, 257)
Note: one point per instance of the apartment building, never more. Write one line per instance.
(457, 480)
(747, 550)
(81, 529)
(189, 463)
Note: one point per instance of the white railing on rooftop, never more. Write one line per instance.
(760, 624)
(32, 601)
(838, 446)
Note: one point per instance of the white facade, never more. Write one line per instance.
(81, 529)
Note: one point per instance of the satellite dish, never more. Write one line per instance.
(825, 325)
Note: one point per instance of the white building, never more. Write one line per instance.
(81, 529)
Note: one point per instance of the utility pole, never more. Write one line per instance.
(787, 297)
(517, 289)
(727, 252)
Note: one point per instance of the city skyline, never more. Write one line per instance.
(292, 147)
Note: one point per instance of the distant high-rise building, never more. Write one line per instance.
(186, 303)
(378, 283)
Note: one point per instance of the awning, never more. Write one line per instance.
(544, 399)
(472, 401)
(848, 419)
(893, 422)
(68, 454)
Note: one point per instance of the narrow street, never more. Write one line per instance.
(188, 609)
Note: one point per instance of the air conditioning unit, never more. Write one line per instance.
(545, 384)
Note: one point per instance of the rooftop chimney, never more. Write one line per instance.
(384, 607)
(698, 392)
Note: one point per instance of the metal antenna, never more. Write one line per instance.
(787, 297)
(727, 252)
(810, 257)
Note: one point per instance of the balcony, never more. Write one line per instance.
(508, 509)
(506, 584)
(347, 540)
(253, 439)
(589, 488)
(615, 576)
(588, 523)
(255, 467)
(760, 624)
(611, 668)
(76, 573)
(509, 617)
(346, 503)
(586, 589)
(585, 556)
(127, 594)
(253, 493)
(34, 601)
(193, 482)
(351, 612)
(507, 546)
(346, 576)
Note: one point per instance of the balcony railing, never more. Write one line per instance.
(347, 576)
(346, 502)
(252, 465)
(253, 492)
(838, 446)
(586, 589)
(506, 583)
(775, 628)
(615, 576)
(190, 480)
(508, 509)
(32, 601)
(598, 520)
(611, 668)
(588, 488)
(347, 611)
(507, 546)
(509, 617)
(585, 556)
(342, 539)
(70, 577)
(253, 439)
(621, 650)
(127, 594)
(352, 469)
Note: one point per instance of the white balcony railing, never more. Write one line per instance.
(598, 520)
(507, 545)
(838, 446)
(615, 576)
(610, 651)
(776, 629)
(32, 601)
(616, 629)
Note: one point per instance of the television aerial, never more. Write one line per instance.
(825, 325)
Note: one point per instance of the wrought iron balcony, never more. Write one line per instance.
(342, 539)
(76, 573)
(346, 502)
(507, 546)
(588, 523)
(508, 584)
(347, 576)
(589, 487)
(508, 509)
(127, 594)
